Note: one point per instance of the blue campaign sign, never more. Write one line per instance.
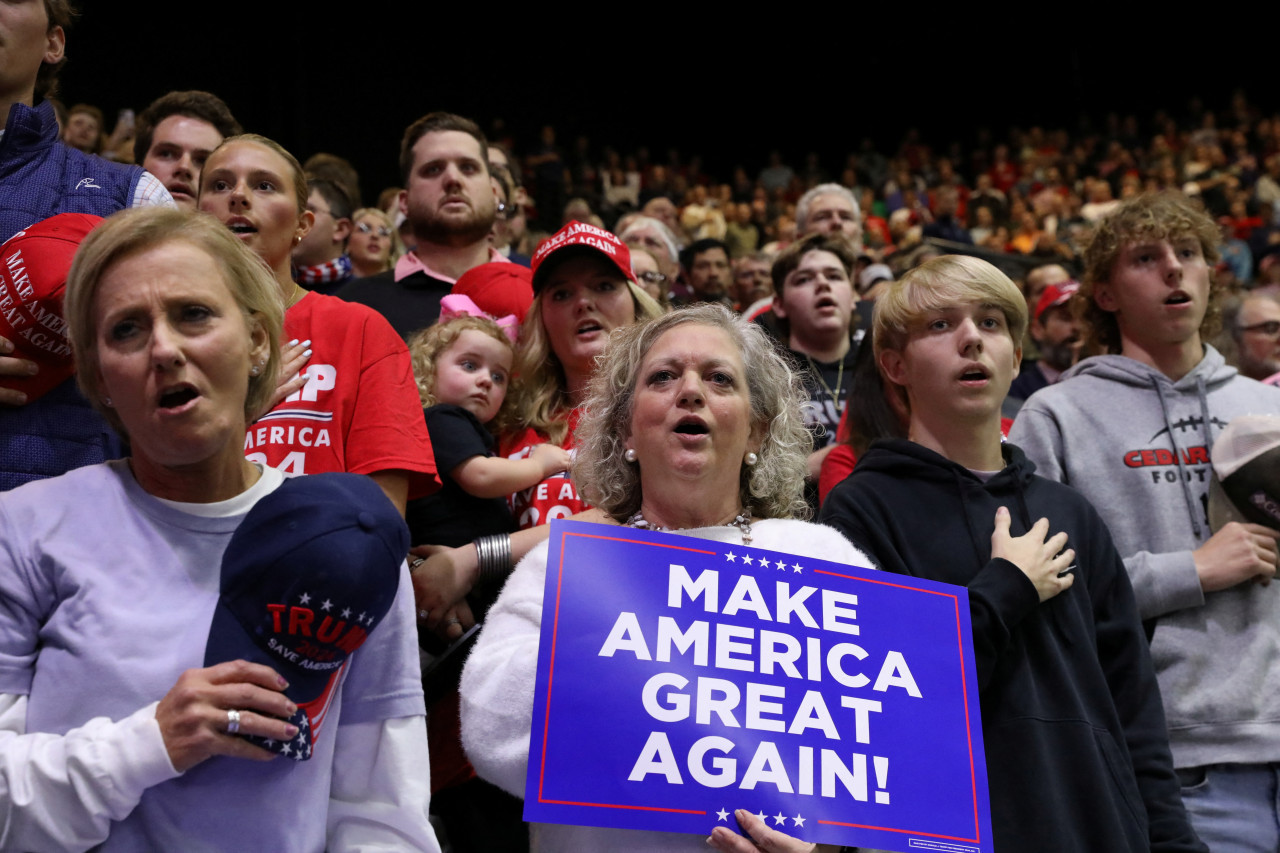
(680, 679)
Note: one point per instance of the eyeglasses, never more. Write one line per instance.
(507, 212)
(655, 278)
(1270, 328)
(366, 228)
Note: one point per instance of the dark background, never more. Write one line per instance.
(630, 74)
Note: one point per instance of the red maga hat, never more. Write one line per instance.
(581, 234)
(33, 276)
(1055, 295)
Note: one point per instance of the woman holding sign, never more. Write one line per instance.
(692, 425)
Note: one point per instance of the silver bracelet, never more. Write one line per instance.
(493, 554)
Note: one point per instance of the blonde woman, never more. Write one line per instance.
(374, 245)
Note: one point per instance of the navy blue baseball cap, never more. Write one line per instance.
(308, 574)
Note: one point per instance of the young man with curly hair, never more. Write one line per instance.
(1132, 430)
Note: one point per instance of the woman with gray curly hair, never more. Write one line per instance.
(769, 486)
(693, 425)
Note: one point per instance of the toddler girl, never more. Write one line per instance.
(463, 366)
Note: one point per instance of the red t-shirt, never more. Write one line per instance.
(359, 411)
(554, 497)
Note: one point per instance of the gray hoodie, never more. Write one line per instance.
(1136, 444)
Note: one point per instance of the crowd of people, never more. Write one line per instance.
(1055, 352)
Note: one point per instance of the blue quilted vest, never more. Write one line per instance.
(39, 177)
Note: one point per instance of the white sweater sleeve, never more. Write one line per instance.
(497, 683)
(61, 792)
(381, 789)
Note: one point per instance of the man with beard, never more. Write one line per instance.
(450, 202)
(707, 270)
(1056, 335)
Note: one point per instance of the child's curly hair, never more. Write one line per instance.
(427, 345)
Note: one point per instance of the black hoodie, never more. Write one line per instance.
(1077, 750)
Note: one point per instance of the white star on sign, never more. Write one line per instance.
(346, 613)
(779, 819)
(797, 820)
(760, 814)
(797, 567)
(328, 605)
(746, 559)
(305, 599)
(722, 814)
(731, 557)
(782, 565)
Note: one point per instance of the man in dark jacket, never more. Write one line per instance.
(1077, 752)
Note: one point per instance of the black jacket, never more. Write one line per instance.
(1077, 751)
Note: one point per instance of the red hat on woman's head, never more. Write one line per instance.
(581, 234)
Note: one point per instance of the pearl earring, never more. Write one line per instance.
(752, 459)
(630, 454)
